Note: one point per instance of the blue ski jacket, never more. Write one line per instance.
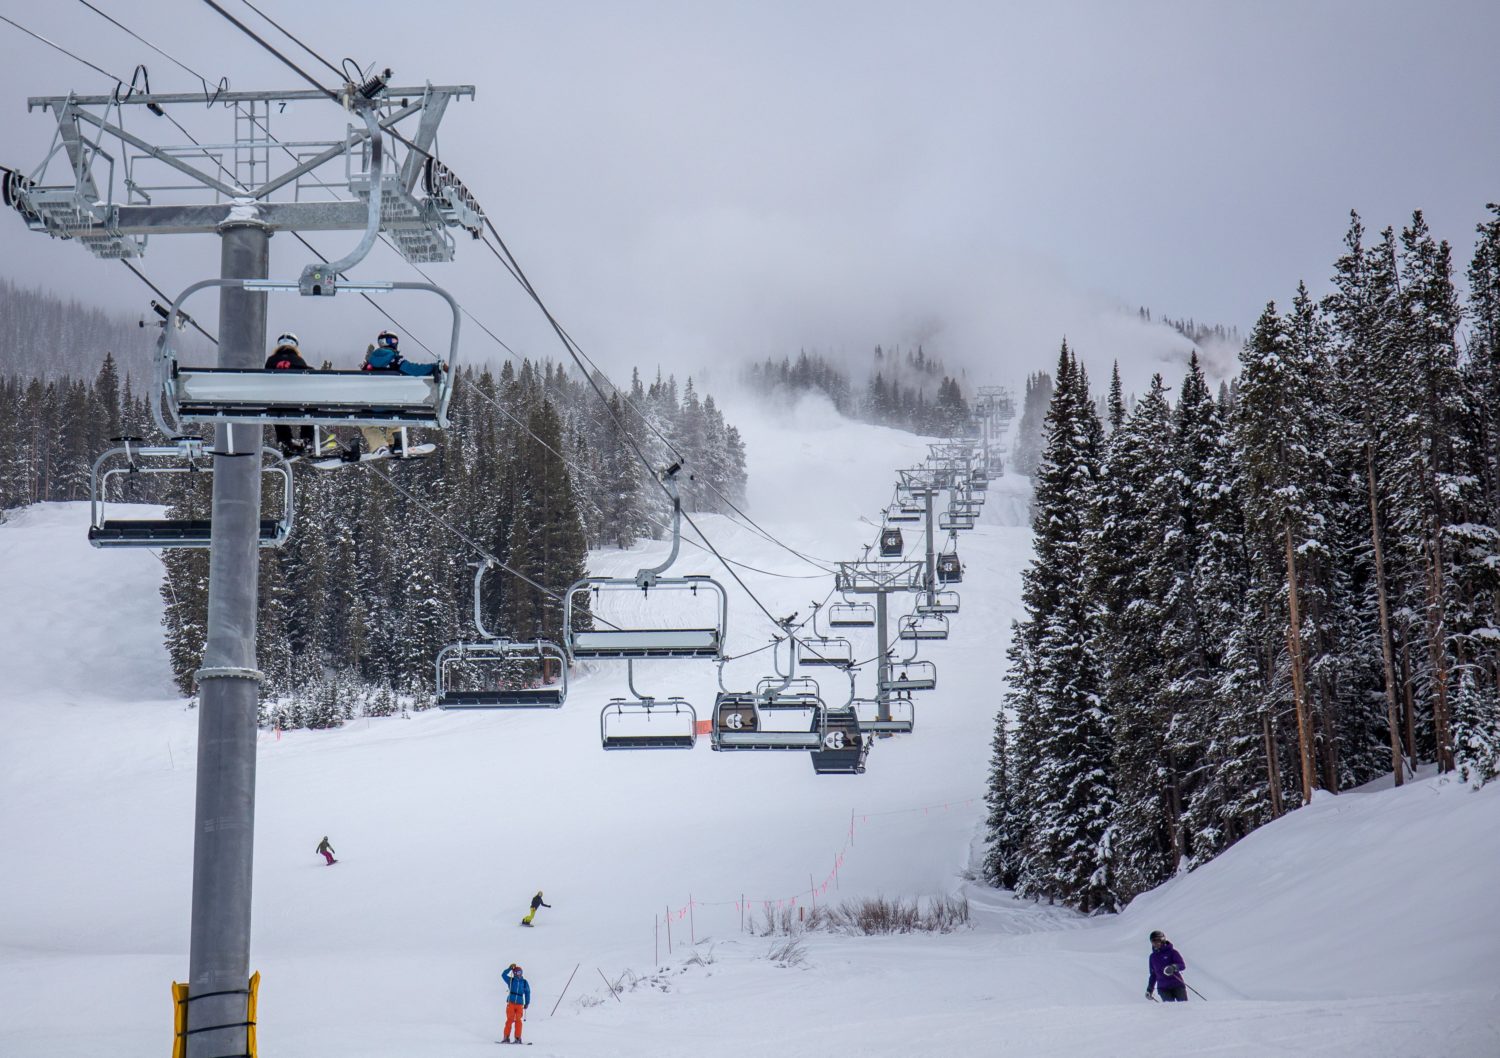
(520, 988)
(382, 359)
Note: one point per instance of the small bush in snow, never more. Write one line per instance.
(871, 916)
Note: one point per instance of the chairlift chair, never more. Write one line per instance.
(648, 724)
(922, 626)
(825, 650)
(774, 692)
(640, 644)
(329, 398)
(500, 655)
(615, 643)
(844, 747)
(183, 456)
(949, 520)
(891, 543)
(742, 722)
(851, 615)
(904, 515)
(938, 602)
(902, 715)
(912, 675)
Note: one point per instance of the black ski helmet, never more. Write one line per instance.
(1158, 935)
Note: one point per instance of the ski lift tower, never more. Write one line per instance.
(994, 408)
(923, 484)
(882, 578)
(107, 184)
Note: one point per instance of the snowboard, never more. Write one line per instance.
(412, 452)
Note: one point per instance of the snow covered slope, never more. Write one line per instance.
(1308, 938)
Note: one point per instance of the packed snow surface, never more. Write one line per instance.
(1362, 924)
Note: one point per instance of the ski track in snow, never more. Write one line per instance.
(1360, 925)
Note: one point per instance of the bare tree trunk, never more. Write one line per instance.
(1436, 633)
(1408, 694)
(1387, 650)
(1299, 681)
(1273, 768)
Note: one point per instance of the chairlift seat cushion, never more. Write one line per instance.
(646, 643)
(795, 740)
(664, 741)
(218, 394)
(160, 532)
(519, 697)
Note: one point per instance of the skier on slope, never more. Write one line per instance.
(1166, 970)
(516, 1002)
(326, 851)
(536, 902)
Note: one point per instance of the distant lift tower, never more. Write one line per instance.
(118, 188)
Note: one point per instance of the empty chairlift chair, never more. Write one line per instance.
(899, 513)
(922, 626)
(834, 651)
(781, 693)
(703, 638)
(851, 615)
(950, 520)
(615, 642)
(491, 671)
(901, 718)
(891, 543)
(187, 455)
(648, 724)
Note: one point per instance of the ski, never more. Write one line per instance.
(413, 452)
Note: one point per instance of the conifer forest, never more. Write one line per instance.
(1242, 598)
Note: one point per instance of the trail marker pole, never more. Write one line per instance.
(565, 990)
(669, 931)
(607, 985)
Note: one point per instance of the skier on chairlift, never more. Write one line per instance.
(385, 355)
(288, 357)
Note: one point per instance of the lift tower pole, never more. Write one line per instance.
(116, 190)
(228, 684)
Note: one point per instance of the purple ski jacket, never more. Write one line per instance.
(1161, 958)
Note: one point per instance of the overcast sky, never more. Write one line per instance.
(697, 182)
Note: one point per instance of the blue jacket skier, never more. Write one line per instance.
(385, 356)
(517, 1001)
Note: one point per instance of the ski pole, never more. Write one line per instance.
(1190, 988)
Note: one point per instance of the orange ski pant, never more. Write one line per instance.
(513, 1017)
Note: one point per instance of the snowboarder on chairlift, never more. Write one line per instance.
(1166, 970)
(288, 357)
(326, 851)
(516, 1002)
(536, 902)
(385, 355)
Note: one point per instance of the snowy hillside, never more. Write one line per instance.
(1307, 938)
